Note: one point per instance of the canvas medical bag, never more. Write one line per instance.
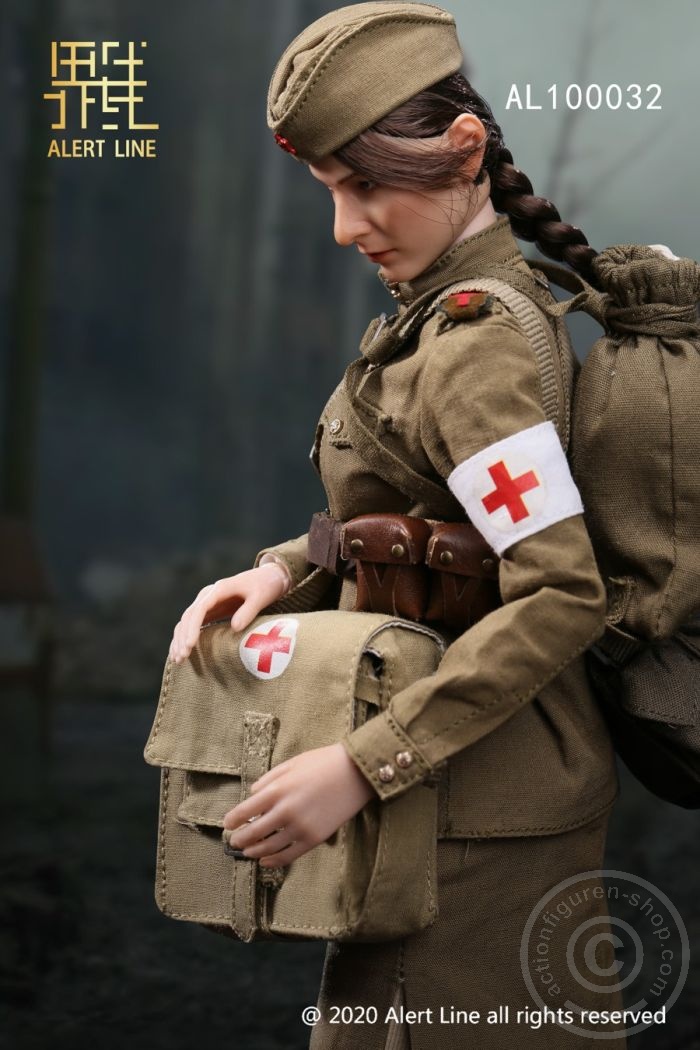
(245, 702)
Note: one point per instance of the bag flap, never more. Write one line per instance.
(307, 670)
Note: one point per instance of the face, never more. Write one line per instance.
(402, 230)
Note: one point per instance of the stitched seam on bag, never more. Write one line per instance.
(281, 927)
(667, 589)
(231, 918)
(163, 876)
(339, 888)
(379, 866)
(389, 679)
(248, 731)
(350, 687)
(252, 913)
(519, 697)
(161, 708)
(244, 758)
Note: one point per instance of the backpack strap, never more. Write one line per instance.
(584, 297)
(556, 363)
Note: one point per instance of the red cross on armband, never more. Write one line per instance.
(267, 650)
(533, 486)
(508, 491)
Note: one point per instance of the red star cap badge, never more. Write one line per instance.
(285, 144)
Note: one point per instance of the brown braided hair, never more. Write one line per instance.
(373, 155)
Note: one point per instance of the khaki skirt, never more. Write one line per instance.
(425, 991)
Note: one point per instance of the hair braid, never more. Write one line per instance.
(537, 219)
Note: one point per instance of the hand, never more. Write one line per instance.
(241, 597)
(299, 804)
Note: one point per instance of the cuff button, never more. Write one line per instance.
(386, 773)
(404, 759)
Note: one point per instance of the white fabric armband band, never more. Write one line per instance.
(517, 486)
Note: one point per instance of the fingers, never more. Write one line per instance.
(256, 817)
(272, 774)
(244, 595)
(246, 614)
(215, 599)
(246, 813)
(268, 583)
(187, 630)
(285, 856)
(274, 843)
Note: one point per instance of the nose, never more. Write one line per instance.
(351, 222)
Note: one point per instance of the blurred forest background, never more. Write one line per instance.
(169, 332)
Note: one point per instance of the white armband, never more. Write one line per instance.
(517, 486)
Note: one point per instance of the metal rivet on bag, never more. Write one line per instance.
(397, 550)
(387, 773)
(446, 558)
(356, 546)
(404, 759)
(487, 564)
(335, 426)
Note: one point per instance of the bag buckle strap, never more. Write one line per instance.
(248, 906)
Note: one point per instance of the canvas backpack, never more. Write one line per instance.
(628, 418)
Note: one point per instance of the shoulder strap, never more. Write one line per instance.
(555, 362)
(550, 343)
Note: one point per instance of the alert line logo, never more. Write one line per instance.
(96, 84)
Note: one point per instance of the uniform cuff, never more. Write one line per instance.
(386, 755)
(273, 559)
(291, 554)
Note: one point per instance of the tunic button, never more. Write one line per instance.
(386, 773)
(397, 550)
(446, 558)
(335, 426)
(404, 759)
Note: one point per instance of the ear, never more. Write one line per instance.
(467, 131)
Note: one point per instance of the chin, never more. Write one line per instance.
(398, 273)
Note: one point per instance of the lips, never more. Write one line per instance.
(379, 256)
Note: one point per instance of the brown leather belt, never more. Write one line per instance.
(411, 567)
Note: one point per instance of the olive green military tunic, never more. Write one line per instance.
(526, 767)
(509, 706)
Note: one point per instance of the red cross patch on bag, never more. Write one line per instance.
(517, 486)
(267, 649)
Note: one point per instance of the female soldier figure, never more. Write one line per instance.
(370, 97)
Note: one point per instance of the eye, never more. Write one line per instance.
(366, 185)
